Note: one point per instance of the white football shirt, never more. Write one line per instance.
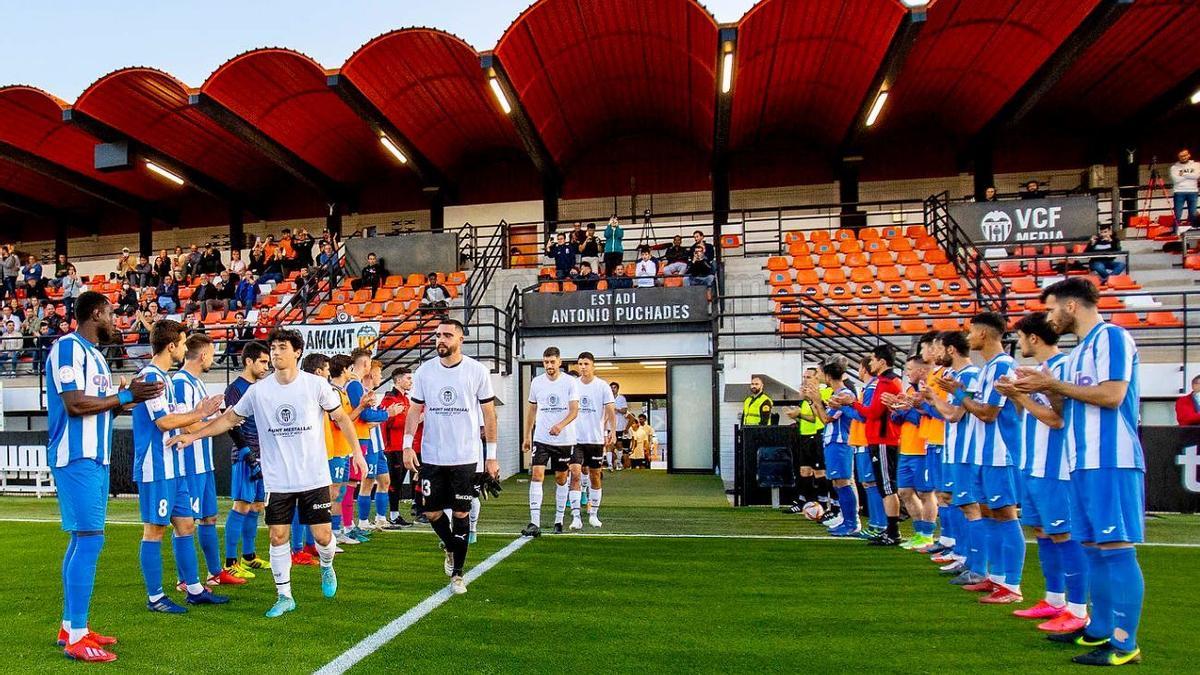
(553, 399)
(291, 429)
(621, 405)
(453, 414)
(593, 397)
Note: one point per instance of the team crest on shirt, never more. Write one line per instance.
(66, 374)
(552, 400)
(285, 414)
(447, 396)
(585, 402)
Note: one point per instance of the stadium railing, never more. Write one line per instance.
(985, 282)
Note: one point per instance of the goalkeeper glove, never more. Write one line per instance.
(237, 454)
(489, 487)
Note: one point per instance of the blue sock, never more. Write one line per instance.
(946, 522)
(848, 502)
(336, 522)
(381, 503)
(977, 557)
(66, 564)
(876, 516)
(297, 532)
(211, 546)
(1127, 588)
(249, 532)
(1013, 551)
(308, 536)
(152, 564)
(995, 548)
(186, 562)
(364, 506)
(1100, 590)
(962, 533)
(233, 533)
(1050, 558)
(81, 577)
(1075, 570)
(923, 527)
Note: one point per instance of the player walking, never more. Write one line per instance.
(245, 483)
(595, 429)
(81, 399)
(553, 406)
(290, 406)
(454, 392)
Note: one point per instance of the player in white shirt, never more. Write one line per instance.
(550, 436)
(622, 406)
(452, 396)
(595, 429)
(289, 408)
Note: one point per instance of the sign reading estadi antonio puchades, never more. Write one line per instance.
(632, 306)
(1028, 220)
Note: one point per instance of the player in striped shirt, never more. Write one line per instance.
(933, 430)
(81, 399)
(163, 496)
(839, 456)
(190, 392)
(969, 564)
(1046, 500)
(1099, 400)
(338, 452)
(369, 417)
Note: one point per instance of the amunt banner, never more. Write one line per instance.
(332, 339)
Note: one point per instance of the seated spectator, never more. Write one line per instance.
(245, 296)
(34, 289)
(989, 195)
(61, 267)
(273, 271)
(32, 321)
(210, 261)
(168, 294)
(676, 257)
(371, 276)
(72, 287)
(514, 256)
(700, 271)
(646, 270)
(32, 271)
(45, 336)
(586, 280)
(342, 316)
(194, 323)
(228, 286)
(436, 294)
(1033, 190)
(1104, 241)
(236, 264)
(162, 267)
(143, 323)
(125, 263)
(12, 344)
(142, 274)
(563, 253)
(192, 263)
(589, 249)
(127, 301)
(710, 253)
(328, 264)
(207, 296)
(619, 279)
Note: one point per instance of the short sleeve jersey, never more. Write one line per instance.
(997, 443)
(152, 459)
(453, 398)
(553, 399)
(593, 397)
(621, 404)
(74, 364)
(1045, 454)
(189, 392)
(1104, 438)
(291, 429)
(958, 434)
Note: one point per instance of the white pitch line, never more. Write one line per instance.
(400, 624)
(644, 535)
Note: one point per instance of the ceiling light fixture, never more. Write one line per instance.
(393, 148)
(498, 91)
(173, 177)
(876, 107)
(727, 68)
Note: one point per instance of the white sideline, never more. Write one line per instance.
(644, 535)
(400, 624)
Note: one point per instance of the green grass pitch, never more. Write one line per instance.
(740, 597)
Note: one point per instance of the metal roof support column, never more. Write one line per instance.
(726, 44)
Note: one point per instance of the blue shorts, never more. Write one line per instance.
(381, 464)
(243, 488)
(999, 486)
(372, 458)
(839, 461)
(1047, 504)
(862, 464)
(1108, 505)
(202, 488)
(949, 477)
(911, 472)
(161, 500)
(339, 469)
(82, 489)
(933, 466)
(968, 484)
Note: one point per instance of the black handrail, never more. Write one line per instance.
(485, 264)
(967, 259)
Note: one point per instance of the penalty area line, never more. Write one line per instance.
(379, 638)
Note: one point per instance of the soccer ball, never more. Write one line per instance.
(813, 511)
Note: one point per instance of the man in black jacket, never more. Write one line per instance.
(371, 276)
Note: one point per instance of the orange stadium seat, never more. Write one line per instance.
(780, 279)
(819, 236)
(850, 246)
(946, 323)
(927, 289)
(1139, 222)
(673, 282)
(361, 296)
(1163, 320)
(868, 234)
(796, 248)
(839, 291)
(1010, 268)
(384, 294)
(549, 287)
(1192, 261)
(802, 262)
(1034, 305)
(812, 292)
(371, 310)
(873, 245)
(456, 278)
(829, 260)
(808, 277)
(862, 275)
(890, 273)
(915, 231)
(1108, 302)
(913, 326)
(569, 287)
(393, 281)
(793, 236)
(1025, 286)
(890, 232)
(396, 308)
(823, 247)
(956, 288)
(415, 280)
(867, 291)
(896, 290)
(882, 257)
(856, 260)
(908, 258)
(945, 272)
(1123, 282)
(729, 241)
(926, 244)
(843, 234)
(916, 273)
(405, 294)
(937, 308)
(836, 275)
(899, 244)
(907, 309)
(936, 257)
(1126, 319)
(777, 263)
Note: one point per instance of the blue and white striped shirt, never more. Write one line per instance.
(1044, 454)
(1104, 438)
(958, 434)
(837, 430)
(997, 443)
(189, 392)
(152, 461)
(74, 364)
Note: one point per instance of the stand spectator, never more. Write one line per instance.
(328, 264)
(578, 236)
(210, 261)
(34, 289)
(236, 264)
(72, 287)
(586, 280)
(1104, 241)
(61, 267)
(178, 263)
(614, 246)
(273, 271)
(1187, 407)
(589, 248)
(142, 325)
(12, 343)
(142, 274)
(1033, 190)
(258, 258)
(371, 276)
(245, 296)
(436, 295)
(563, 254)
(241, 333)
(700, 271)
(168, 294)
(11, 265)
(342, 316)
(989, 194)
(303, 242)
(125, 263)
(618, 280)
(32, 271)
(1184, 175)
(127, 301)
(162, 267)
(288, 251)
(676, 257)
(645, 271)
(306, 288)
(710, 252)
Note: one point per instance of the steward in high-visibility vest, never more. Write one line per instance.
(757, 408)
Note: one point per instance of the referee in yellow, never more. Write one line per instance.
(757, 408)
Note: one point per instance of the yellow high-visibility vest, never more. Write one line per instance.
(757, 410)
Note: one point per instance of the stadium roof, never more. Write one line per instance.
(612, 96)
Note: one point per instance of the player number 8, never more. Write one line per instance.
(162, 508)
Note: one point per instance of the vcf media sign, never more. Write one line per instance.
(1027, 220)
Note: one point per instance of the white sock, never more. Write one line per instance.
(363, 524)
(560, 502)
(155, 598)
(474, 516)
(1077, 609)
(585, 481)
(573, 499)
(594, 502)
(996, 579)
(66, 625)
(325, 553)
(194, 589)
(1056, 599)
(76, 634)
(281, 569)
(946, 541)
(535, 502)
(394, 514)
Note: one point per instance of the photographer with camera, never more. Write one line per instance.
(1104, 241)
